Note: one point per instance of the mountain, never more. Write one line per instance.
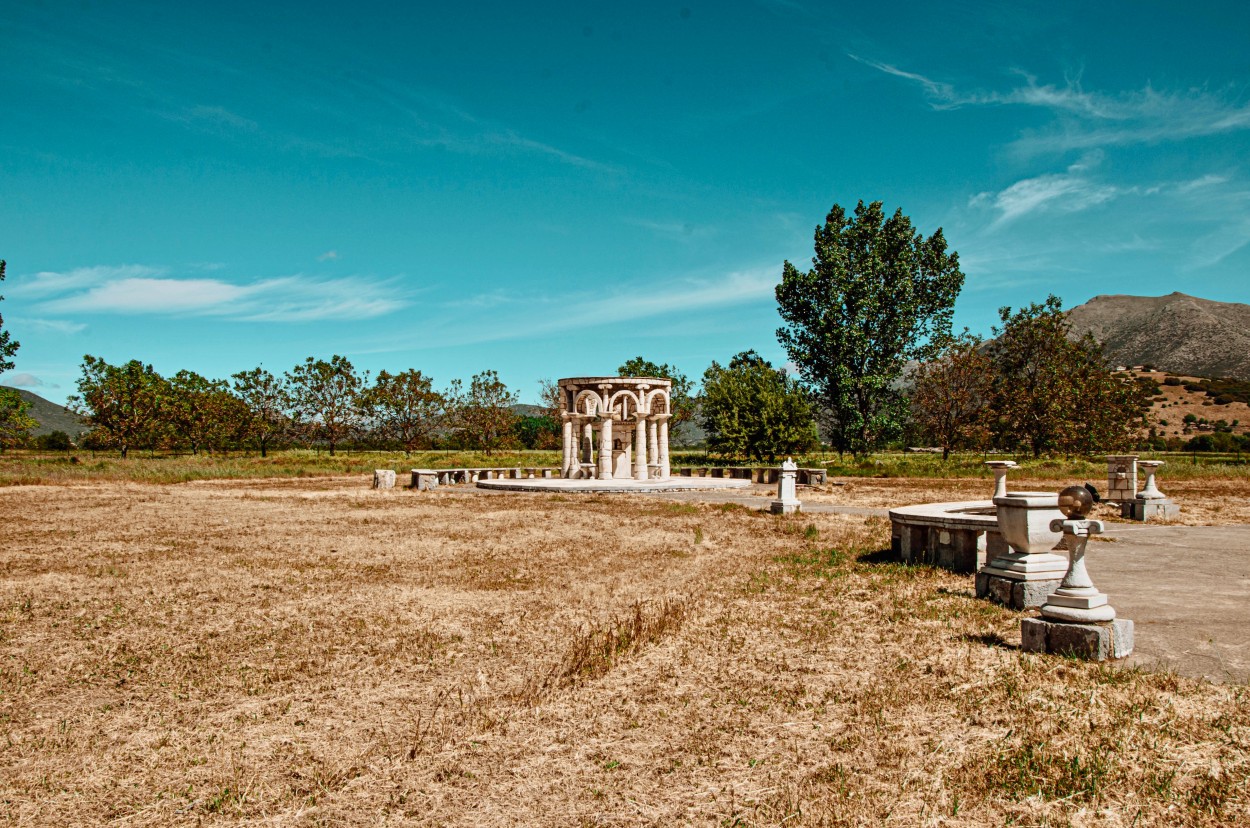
(1177, 333)
(52, 417)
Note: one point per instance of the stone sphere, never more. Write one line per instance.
(1075, 502)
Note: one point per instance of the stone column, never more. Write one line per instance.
(640, 448)
(665, 470)
(1000, 469)
(787, 502)
(605, 449)
(653, 442)
(566, 468)
(588, 443)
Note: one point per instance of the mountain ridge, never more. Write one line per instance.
(1179, 333)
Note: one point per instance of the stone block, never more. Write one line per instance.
(1013, 594)
(1094, 642)
(424, 480)
(383, 479)
(784, 507)
(1143, 509)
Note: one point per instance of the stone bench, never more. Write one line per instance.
(950, 535)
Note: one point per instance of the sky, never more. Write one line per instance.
(548, 189)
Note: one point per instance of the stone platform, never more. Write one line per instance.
(1095, 642)
(614, 485)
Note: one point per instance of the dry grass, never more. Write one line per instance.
(309, 652)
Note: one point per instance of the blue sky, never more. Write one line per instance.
(549, 189)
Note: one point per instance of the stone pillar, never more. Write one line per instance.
(1000, 469)
(588, 443)
(653, 442)
(566, 467)
(640, 448)
(1076, 618)
(605, 449)
(1121, 478)
(666, 470)
(787, 501)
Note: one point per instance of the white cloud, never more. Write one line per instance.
(1066, 193)
(23, 381)
(329, 256)
(145, 290)
(59, 326)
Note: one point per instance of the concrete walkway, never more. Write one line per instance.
(1187, 589)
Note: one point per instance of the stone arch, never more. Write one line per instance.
(652, 396)
(587, 394)
(630, 397)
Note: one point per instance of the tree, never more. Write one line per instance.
(8, 347)
(196, 411)
(537, 432)
(878, 295)
(681, 395)
(326, 398)
(483, 415)
(123, 403)
(1053, 393)
(750, 409)
(951, 394)
(404, 407)
(267, 400)
(15, 421)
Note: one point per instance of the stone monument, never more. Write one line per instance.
(787, 502)
(1150, 502)
(1022, 577)
(1121, 478)
(630, 417)
(1076, 618)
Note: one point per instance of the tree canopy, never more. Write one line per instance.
(483, 413)
(123, 403)
(405, 408)
(878, 295)
(749, 409)
(15, 421)
(325, 396)
(8, 346)
(681, 395)
(951, 395)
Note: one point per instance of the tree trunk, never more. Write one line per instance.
(946, 453)
(125, 449)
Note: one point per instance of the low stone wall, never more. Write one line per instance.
(756, 474)
(448, 477)
(950, 535)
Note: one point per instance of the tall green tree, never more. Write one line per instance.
(682, 404)
(482, 413)
(750, 409)
(325, 395)
(123, 403)
(267, 400)
(15, 420)
(1055, 393)
(951, 395)
(878, 295)
(8, 346)
(196, 411)
(405, 408)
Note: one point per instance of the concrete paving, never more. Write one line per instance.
(614, 485)
(1187, 589)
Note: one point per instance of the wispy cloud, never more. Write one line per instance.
(23, 381)
(140, 290)
(57, 326)
(1068, 192)
(1093, 119)
(329, 256)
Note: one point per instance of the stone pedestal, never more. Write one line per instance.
(1150, 503)
(1093, 642)
(1022, 577)
(1000, 469)
(787, 502)
(1076, 618)
(383, 479)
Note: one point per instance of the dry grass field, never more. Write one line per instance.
(310, 652)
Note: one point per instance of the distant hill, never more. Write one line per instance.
(1177, 333)
(52, 417)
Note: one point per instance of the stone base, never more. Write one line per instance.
(1094, 642)
(1158, 508)
(784, 507)
(1013, 594)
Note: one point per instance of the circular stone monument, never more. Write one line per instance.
(615, 440)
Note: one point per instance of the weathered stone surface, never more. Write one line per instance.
(424, 480)
(1095, 642)
(1013, 594)
(383, 479)
(1144, 509)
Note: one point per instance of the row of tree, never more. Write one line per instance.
(325, 402)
